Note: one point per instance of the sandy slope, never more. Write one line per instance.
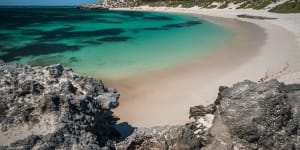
(262, 48)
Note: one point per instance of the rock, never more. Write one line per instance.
(200, 111)
(68, 87)
(106, 4)
(30, 87)
(92, 7)
(259, 116)
(166, 137)
(55, 70)
(54, 108)
(1, 62)
(248, 115)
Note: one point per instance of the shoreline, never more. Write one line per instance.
(164, 97)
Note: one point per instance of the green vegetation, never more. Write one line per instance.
(255, 4)
(225, 5)
(2, 113)
(292, 6)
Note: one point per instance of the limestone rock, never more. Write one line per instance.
(258, 116)
(165, 137)
(54, 108)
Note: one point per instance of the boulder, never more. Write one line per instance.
(54, 108)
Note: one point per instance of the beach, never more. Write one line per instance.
(261, 50)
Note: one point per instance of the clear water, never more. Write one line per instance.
(105, 43)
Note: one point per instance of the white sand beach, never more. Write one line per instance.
(262, 49)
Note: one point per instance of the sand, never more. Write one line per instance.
(261, 49)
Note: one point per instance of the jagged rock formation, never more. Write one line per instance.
(54, 108)
(166, 137)
(106, 4)
(248, 115)
(118, 3)
(260, 116)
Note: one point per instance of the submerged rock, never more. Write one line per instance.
(54, 108)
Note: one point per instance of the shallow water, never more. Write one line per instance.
(105, 44)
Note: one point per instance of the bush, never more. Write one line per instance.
(287, 7)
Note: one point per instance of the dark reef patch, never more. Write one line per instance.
(114, 39)
(181, 25)
(35, 49)
(73, 59)
(1, 47)
(153, 29)
(158, 18)
(46, 30)
(4, 37)
(131, 14)
(15, 18)
(114, 22)
(65, 33)
(93, 42)
(168, 26)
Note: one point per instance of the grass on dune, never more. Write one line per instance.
(255, 4)
(292, 6)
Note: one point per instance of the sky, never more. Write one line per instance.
(45, 2)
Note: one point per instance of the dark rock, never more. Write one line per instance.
(27, 143)
(92, 7)
(3, 106)
(166, 137)
(30, 87)
(2, 62)
(200, 111)
(54, 108)
(55, 70)
(260, 115)
(68, 87)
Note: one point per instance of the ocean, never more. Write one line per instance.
(105, 44)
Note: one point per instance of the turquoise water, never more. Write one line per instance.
(105, 43)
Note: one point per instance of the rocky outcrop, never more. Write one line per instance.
(248, 115)
(106, 4)
(165, 137)
(257, 116)
(93, 7)
(54, 108)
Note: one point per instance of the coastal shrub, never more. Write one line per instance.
(243, 5)
(292, 6)
(225, 5)
(2, 113)
(260, 4)
(212, 6)
(255, 4)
